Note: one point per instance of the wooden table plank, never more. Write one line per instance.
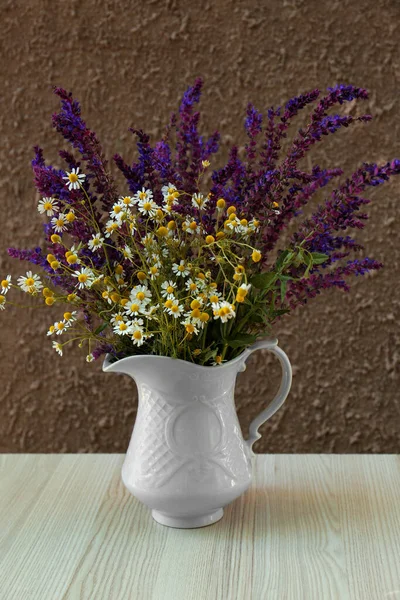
(311, 526)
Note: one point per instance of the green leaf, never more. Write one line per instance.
(263, 280)
(241, 339)
(101, 328)
(282, 257)
(318, 258)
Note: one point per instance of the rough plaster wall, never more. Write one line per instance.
(129, 62)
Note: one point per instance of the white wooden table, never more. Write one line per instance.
(311, 527)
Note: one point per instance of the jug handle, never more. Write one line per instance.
(286, 382)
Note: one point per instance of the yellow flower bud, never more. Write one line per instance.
(141, 276)
(210, 239)
(49, 300)
(201, 276)
(159, 214)
(124, 301)
(240, 298)
(70, 217)
(221, 204)
(67, 316)
(162, 231)
(244, 222)
(220, 235)
(115, 297)
(231, 210)
(195, 314)
(204, 317)
(195, 304)
(275, 204)
(168, 303)
(72, 259)
(47, 293)
(237, 277)
(54, 264)
(256, 256)
(50, 258)
(171, 225)
(55, 238)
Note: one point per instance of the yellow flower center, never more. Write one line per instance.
(168, 304)
(71, 259)
(153, 270)
(193, 287)
(204, 317)
(232, 217)
(147, 206)
(181, 268)
(67, 316)
(59, 222)
(171, 225)
(55, 264)
(82, 277)
(220, 235)
(126, 200)
(242, 292)
(137, 335)
(142, 195)
(195, 304)
(256, 256)
(30, 281)
(5, 284)
(244, 222)
(170, 289)
(162, 231)
(210, 239)
(52, 328)
(115, 297)
(218, 359)
(201, 276)
(73, 177)
(2, 299)
(214, 299)
(190, 328)
(221, 203)
(141, 276)
(104, 295)
(60, 326)
(134, 307)
(50, 258)
(123, 326)
(231, 210)
(55, 238)
(70, 217)
(117, 209)
(118, 318)
(140, 296)
(124, 301)
(48, 206)
(119, 269)
(193, 226)
(174, 308)
(195, 314)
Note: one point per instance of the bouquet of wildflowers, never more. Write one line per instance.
(175, 266)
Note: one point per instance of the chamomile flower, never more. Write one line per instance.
(58, 348)
(137, 334)
(150, 313)
(59, 223)
(117, 318)
(96, 242)
(191, 226)
(225, 312)
(70, 317)
(154, 271)
(51, 330)
(175, 310)
(90, 358)
(2, 302)
(30, 283)
(218, 360)
(111, 227)
(5, 285)
(199, 201)
(85, 278)
(192, 286)
(181, 269)
(118, 211)
(74, 179)
(122, 328)
(169, 189)
(60, 327)
(168, 288)
(134, 308)
(190, 326)
(214, 299)
(48, 206)
(140, 293)
(127, 252)
(126, 201)
(147, 207)
(143, 195)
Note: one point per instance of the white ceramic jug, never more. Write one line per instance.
(187, 457)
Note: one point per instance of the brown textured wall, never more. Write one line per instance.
(129, 62)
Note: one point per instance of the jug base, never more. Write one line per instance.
(188, 522)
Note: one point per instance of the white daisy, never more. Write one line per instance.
(5, 284)
(51, 330)
(225, 312)
(58, 348)
(85, 278)
(192, 286)
(168, 288)
(96, 242)
(147, 207)
(143, 196)
(191, 226)
(180, 270)
(175, 309)
(30, 283)
(190, 326)
(122, 328)
(74, 179)
(199, 201)
(59, 223)
(111, 227)
(118, 211)
(126, 201)
(60, 327)
(117, 318)
(134, 308)
(70, 317)
(168, 190)
(127, 252)
(48, 206)
(154, 271)
(141, 293)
